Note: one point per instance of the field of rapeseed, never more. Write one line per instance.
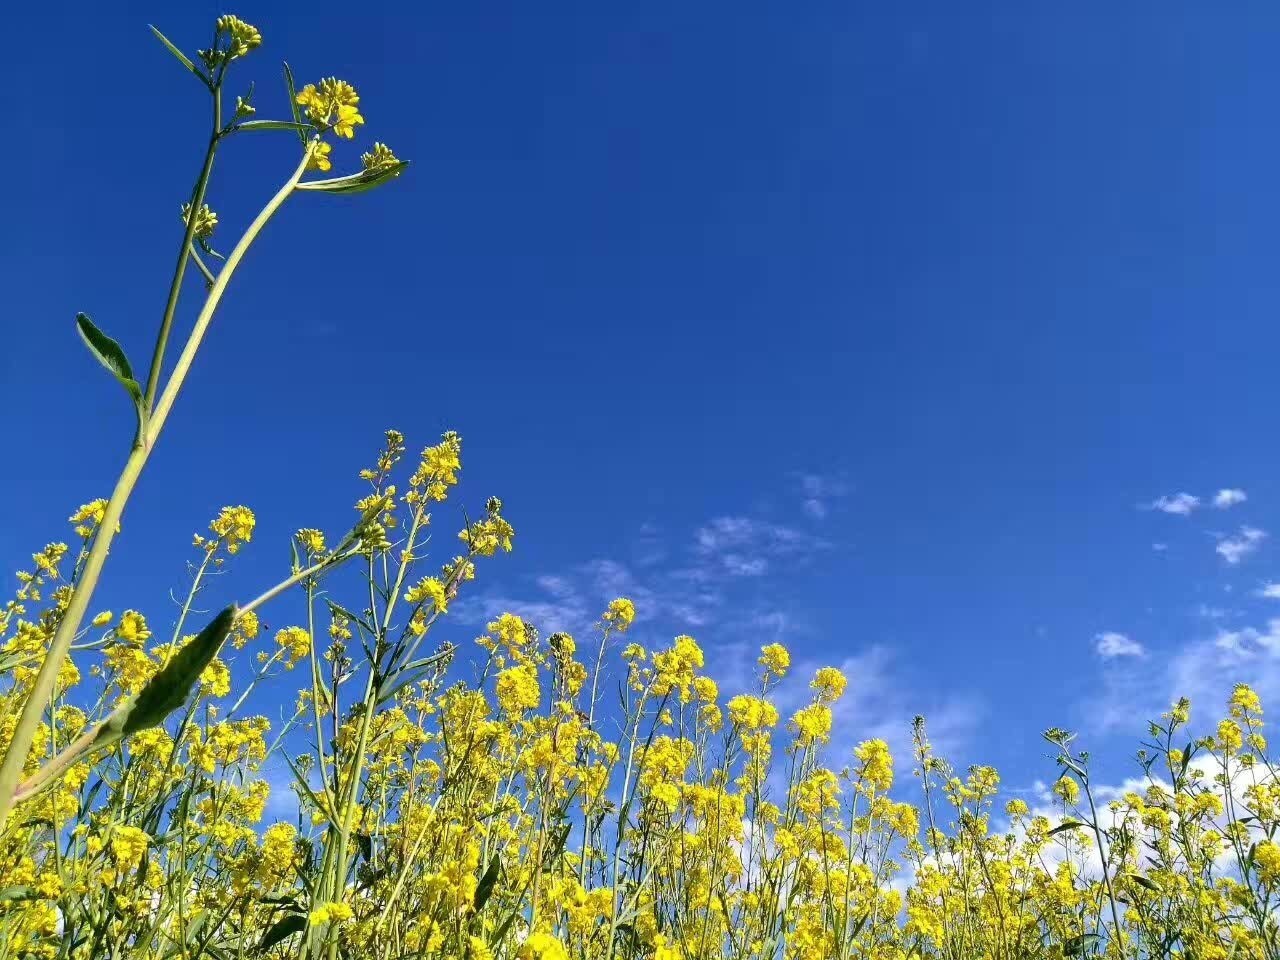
(535, 797)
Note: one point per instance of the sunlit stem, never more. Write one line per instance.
(33, 708)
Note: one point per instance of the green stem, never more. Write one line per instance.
(16, 755)
(184, 251)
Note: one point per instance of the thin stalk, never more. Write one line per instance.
(32, 710)
(184, 251)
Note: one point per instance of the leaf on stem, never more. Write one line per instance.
(356, 182)
(293, 102)
(111, 355)
(168, 689)
(182, 57)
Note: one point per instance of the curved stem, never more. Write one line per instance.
(33, 708)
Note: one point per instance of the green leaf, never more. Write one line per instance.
(252, 125)
(283, 928)
(111, 355)
(10, 894)
(182, 57)
(484, 889)
(1142, 881)
(293, 101)
(1077, 946)
(356, 182)
(168, 689)
(1066, 825)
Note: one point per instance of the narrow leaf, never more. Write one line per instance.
(182, 57)
(1066, 825)
(168, 689)
(10, 894)
(1142, 881)
(1077, 946)
(293, 101)
(252, 125)
(355, 182)
(284, 928)
(484, 889)
(111, 355)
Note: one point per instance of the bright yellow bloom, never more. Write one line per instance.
(1266, 857)
(128, 845)
(621, 614)
(132, 628)
(775, 659)
(877, 763)
(829, 683)
(295, 642)
(102, 619)
(233, 526)
(542, 946)
(812, 724)
(312, 540)
(330, 913)
(320, 156)
(331, 105)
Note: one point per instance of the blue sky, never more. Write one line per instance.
(875, 331)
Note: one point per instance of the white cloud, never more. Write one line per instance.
(1112, 644)
(744, 547)
(1270, 590)
(1179, 504)
(1229, 497)
(1205, 669)
(1234, 549)
(1159, 547)
(817, 491)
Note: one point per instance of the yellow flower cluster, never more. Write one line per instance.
(556, 799)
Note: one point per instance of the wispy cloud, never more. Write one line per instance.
(1229, 497)
(741, 546)
(1179, 504)
(1233, 549)
(1111, 644)
(1270, 590)
(818, 490)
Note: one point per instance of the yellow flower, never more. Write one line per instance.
(829, 684)
(775, 659)
(1067, 790)
(812, 724)
(242, 36)
(128, 845)
(132, 628)
(331, 105)
(320, 156)
(542, 946)
(330, 913)
(517, 689)
(102, 619)
(378, 159)
(295, 642)
(877, 763)
(234, 526)
(312, 540)
(215, 679)
(752, 713)
(1266, 857)
(206, 220)
(89, 517)
(621, 614)
(429, 588)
